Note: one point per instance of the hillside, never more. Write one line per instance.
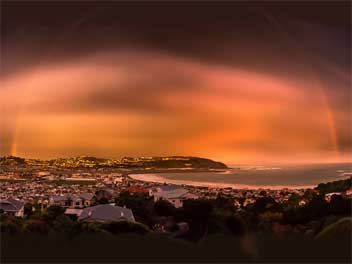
(126, 162)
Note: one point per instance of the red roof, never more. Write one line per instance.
(136, 190)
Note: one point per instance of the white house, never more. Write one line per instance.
(12, 207)
(171, 193)
(329, 195)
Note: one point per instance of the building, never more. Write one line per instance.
(74, 201)
(160, 188)
(348, 193)
(12, 207)
(133, 189)
(329, 195)
(106, 213)
(73, 213)
(171, 193)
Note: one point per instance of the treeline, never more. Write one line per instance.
(201, 217)
(262, 231)
(202, 230)
(335, 186)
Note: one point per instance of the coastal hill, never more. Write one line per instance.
(126, 162)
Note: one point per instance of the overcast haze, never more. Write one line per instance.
(240, 83)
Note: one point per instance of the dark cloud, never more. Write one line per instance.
(251, 35)
(228, 76)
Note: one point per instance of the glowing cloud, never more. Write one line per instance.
(145, 103)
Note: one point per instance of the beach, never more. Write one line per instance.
(255, 177)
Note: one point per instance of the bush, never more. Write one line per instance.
(236, 225)
(164, 208)
(10, 227)
(36, 226)
(119, 227)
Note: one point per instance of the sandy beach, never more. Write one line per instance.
(159, 179)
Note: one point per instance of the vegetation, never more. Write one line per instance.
(335, 186)
(202, 230)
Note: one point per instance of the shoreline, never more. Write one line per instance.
(159, 179)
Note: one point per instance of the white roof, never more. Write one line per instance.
(330, 194)
(177, 193)
(73, 211)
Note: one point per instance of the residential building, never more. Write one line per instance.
(12, 207)
(106, 213)
(175, 196)
(74, 201)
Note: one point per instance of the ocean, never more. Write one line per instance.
(254, 177)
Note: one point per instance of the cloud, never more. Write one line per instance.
(139, 102)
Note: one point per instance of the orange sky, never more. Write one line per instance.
(239, 82)
(137, 103)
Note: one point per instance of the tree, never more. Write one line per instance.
(52, 213)
(100, 194)
(103, 200)
(12, 226)
(118, 227)
(226, 203)
(236, 225)
(140, 203)
(164, 208)
(317, 207)
(339, 205)
(293, 200)
(199, 212)
(263, 204)
(262, 193)
(28, 209)
(36, 226)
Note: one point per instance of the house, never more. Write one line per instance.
(12, 207)
(106, 213)
(165, 187)
(73, 213)
(136, 190)
(171, 193)
(74, 201)
(302, 202)
(348, 193)
(329, 195)
(43, 203)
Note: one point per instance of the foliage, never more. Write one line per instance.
(36, 226)
(271, 217)
(263, 204)
(164, 208)
(118, 227)
(28, 209)
(236, 225)
(335, 186)
(339, 205)
(141, 205)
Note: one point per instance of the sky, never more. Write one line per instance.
(232, 81)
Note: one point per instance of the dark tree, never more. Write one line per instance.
(236, 225)
(164, 208)
(103, 200)
(28, 209)
(199, 212)
(339, 205)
